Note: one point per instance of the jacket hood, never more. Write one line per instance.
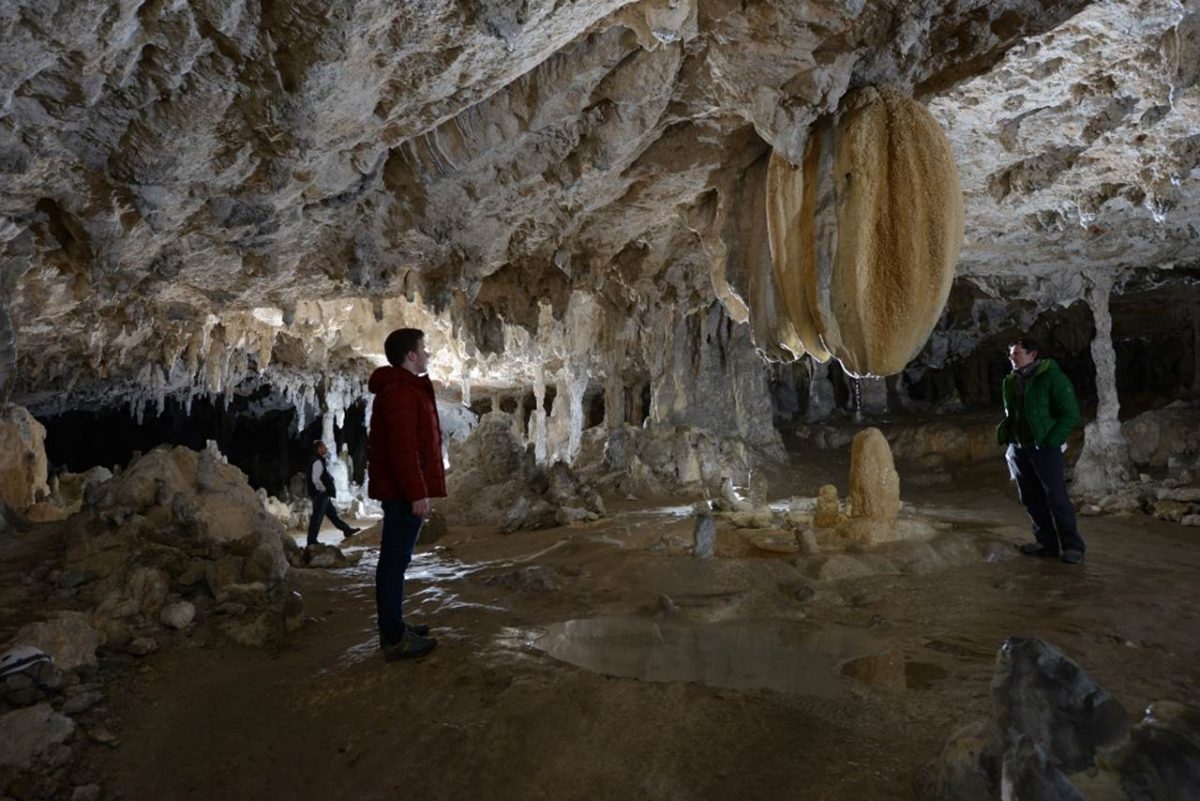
(386, 376)
(1046, 366)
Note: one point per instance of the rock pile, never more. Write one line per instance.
(495, 480)
(650, 461)
(175, 546)
(1055, 734)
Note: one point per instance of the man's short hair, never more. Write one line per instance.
(400, 343)
(1028, 344)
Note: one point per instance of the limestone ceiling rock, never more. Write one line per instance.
(160, 162)
(1081, 149)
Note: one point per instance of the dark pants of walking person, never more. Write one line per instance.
(323, 507)
(400, 530)
(1041, 481)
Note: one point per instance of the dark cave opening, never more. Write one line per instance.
(256, 432)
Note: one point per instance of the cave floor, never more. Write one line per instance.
(490, 715)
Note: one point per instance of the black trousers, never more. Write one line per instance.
(323, 507)
(1040, 473)
(400, 531)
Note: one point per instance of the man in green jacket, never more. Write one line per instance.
(1039, 412)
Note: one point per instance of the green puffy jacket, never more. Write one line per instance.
(1049, 406)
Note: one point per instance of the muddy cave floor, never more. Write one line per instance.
(491, 715)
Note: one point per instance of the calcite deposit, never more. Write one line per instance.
(865, 233)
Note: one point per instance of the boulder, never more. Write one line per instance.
(1039, 692)
(69, 638)
(28, 733)
(23, 468)
(1029, 774)
(1161, 757)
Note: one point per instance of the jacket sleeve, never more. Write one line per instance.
(404, 445)
(1064, 410)
(1004, 430)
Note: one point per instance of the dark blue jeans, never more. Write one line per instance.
(1042, 484)
(323, 507)
(400, 530)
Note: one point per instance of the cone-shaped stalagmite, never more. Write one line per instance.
(865, 233)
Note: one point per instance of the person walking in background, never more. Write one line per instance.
(404, 471)
(1040, 411)
(322, 492)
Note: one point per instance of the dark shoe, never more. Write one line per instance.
(411, 646)
(1037, 549)
(419, 629)
(1073, 557)
(350, 533)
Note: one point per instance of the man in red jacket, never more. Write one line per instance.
(404, 470)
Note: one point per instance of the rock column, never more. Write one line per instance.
(1104, 465)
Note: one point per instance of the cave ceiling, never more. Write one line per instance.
(179, 180)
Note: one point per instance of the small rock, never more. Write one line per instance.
(82, 702)
(230, 608)
(704, 538)
(178, 615)
(773, 541)
(829, 509)
(141, 646)
(530, 579)
(100, 735)
(86, 792)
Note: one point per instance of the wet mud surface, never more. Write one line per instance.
(598, 662)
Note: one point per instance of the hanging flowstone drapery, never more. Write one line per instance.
(865, 233)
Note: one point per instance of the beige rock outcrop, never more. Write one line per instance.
(22, 458)
(865, 233)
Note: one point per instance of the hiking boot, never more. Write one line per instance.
(1072, 557)
(411, 646)
(348, 533)
(419, 629)
(1037, 549)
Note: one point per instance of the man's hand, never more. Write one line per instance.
(421, 508)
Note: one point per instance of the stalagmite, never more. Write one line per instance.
(865, 234)
(1104, 464)
(874, 482)
(874, 491)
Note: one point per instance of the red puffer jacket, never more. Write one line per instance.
(404, 453)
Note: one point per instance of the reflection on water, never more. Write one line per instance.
(783, 656)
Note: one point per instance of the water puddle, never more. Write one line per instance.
(784, 656)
